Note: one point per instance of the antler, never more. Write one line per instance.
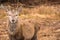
(7, 8)
(11, 8)
(1, 6)
(17, 7)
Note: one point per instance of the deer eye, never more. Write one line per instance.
(9, 15)
(15, 15)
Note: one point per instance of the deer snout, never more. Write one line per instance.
(13, 20)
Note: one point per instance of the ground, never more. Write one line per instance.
(46, 16)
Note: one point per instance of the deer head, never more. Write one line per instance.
(11, 12)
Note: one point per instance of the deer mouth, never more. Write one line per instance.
(13, 22)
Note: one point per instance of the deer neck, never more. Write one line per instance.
(12, 27)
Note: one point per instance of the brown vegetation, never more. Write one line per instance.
(44, 16)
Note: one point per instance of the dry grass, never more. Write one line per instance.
(46, 17)
(42, 11)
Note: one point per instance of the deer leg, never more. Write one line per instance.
(35, 34)
(34, 37)
(26, 39)
(12, 37)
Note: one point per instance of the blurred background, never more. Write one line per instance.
(42, 13)
(32, 2)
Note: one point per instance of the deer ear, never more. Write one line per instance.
(19, 9)
(3, 7)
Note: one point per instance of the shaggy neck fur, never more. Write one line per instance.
(12, 27)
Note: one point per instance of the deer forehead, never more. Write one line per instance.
(12, 12)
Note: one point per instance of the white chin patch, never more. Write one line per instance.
(13, 22)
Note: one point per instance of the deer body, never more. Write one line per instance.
(18, 29)
(21, 30)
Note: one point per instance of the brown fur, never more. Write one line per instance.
(23, 29)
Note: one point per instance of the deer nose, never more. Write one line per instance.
(13, 20)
